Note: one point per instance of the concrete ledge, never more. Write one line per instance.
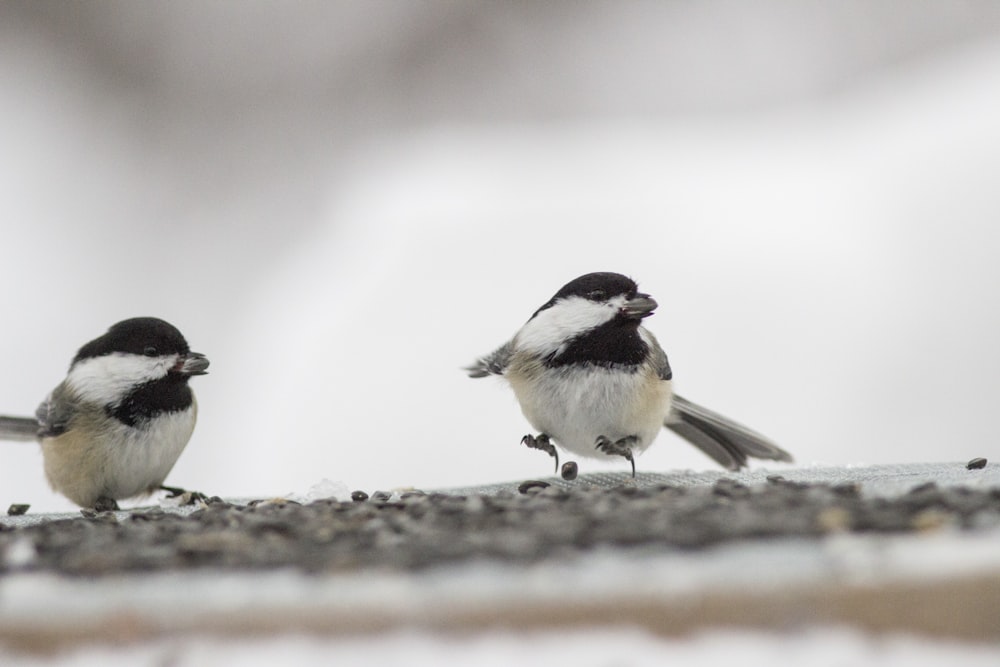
(939, 578)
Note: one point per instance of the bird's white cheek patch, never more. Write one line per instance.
(554, 327)
(103, 380)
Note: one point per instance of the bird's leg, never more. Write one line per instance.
(618, 448)
(541, 441)
(175, 491)
(105, 504)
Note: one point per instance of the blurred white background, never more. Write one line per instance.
(342, 203)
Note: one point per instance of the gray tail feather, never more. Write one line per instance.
(479, 369)
(18, 428)
(494, 363)
(721, 438)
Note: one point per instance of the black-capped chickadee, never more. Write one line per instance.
(591, 379)
(116, 425)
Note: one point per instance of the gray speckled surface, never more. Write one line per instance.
(878, 480)
(882, 480)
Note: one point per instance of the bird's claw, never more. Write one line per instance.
(541, 441)
(187, 497)
(618, 448)
(105, 504)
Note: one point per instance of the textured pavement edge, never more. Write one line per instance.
(943, 583)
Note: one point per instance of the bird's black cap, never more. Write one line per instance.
(148, 336)
(598, 286)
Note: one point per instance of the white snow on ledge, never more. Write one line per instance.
(485, 594)
(590, 647)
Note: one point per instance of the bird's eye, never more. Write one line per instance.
(149, 351)
(597, 295)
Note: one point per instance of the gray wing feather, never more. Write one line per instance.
(55, 412)
(52, 417)
(494, 363)
(726, 441)
(657, 357)
(661, 363)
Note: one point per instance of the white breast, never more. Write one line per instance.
(575, 405)
(122, 462)
(146, 456)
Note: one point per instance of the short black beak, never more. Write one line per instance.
(638, 307)
(192, 363)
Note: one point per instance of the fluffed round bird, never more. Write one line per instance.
(592, 380)
(116, 425)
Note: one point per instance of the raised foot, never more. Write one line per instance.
(188, 497)
(621, 448)
(541, 441)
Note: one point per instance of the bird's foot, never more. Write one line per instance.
(105, 504)
(187, 497)
(621, 448)
(541, 441)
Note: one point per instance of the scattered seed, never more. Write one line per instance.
(976, 464)
(544, 521)
(569, 471)
(847, 489)
(730, 488)
(359, 496)
(17, 509)
(527, 486)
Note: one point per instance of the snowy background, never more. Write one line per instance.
(343, 203)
